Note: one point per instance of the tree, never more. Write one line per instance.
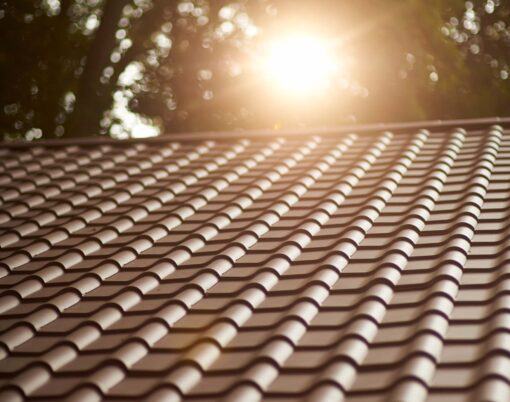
(90, 67)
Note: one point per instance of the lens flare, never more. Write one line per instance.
(301, 64)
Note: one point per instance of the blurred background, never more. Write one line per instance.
(139, 68)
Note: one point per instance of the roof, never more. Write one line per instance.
(359, 265)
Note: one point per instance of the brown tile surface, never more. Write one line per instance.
(342, 267)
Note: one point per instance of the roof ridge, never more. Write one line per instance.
(264, 133)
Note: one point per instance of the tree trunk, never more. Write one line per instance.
(94, 97)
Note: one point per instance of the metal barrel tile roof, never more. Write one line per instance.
(336, 265)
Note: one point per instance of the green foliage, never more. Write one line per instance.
(118, 67)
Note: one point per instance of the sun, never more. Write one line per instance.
(299, 64)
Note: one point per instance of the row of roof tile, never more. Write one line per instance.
(350, 267)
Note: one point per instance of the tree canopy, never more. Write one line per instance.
(135, 67)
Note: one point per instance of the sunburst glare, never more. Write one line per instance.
(299, 63)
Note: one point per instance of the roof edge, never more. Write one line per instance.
(475, 123)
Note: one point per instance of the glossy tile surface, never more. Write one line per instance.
(349, 267)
